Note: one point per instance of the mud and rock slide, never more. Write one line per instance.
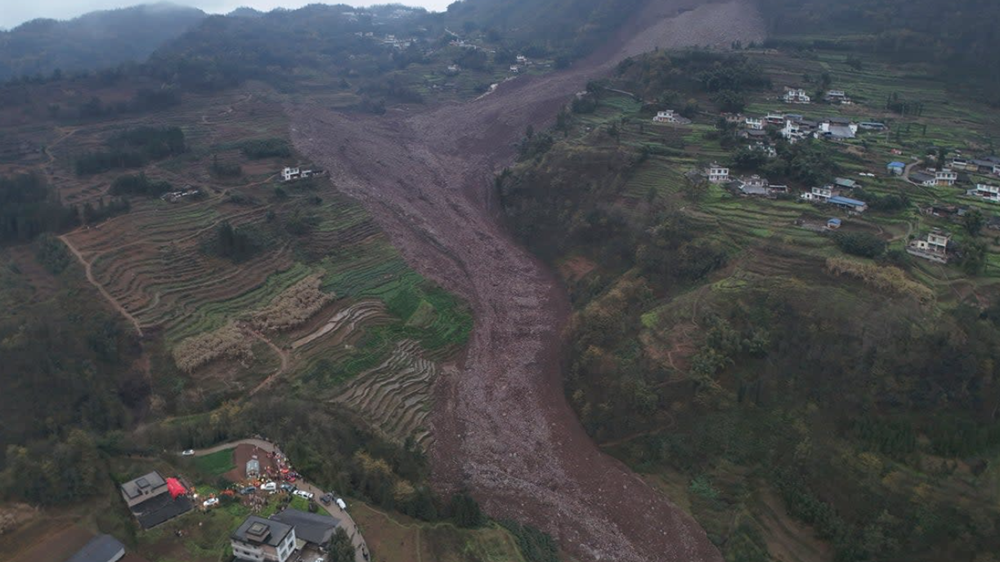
(502, 425)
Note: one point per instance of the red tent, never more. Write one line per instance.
(175, 487)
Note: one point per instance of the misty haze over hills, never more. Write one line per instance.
(93, 41)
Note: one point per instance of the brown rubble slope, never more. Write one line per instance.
(503, 427)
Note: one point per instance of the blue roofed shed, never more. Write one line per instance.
(833, 224)
(896, 168)
(850, 204)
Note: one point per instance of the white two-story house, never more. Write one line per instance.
(263, 540)
(822, 194)
(986, 192)
(717, 173)
(796, 95)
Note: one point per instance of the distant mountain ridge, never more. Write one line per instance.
(95, 40)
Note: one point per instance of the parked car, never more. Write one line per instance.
(303, 494)
(269, 487)
(326, 499)
(248, 490)
(341, 504)
(187, 453)
(210, 502)
(286, 487)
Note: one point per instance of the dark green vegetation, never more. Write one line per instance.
(340, 549)
(139, 184)
(83, 384)
(266, 148)
(225, 51)
(535, 545)
(566, 29)
(234, 244)
(132, 149)
(28, 207)
(957, 36)
(45, 49)
(749, 364)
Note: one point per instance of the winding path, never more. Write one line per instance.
(88, 270)
(502, 425)
(282, 354)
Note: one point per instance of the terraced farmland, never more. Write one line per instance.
(322, 299)
(395, 396)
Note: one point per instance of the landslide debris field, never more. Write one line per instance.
(502, 425)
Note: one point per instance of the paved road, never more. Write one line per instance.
(346, 521)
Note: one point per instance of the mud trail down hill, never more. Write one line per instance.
(502, 426)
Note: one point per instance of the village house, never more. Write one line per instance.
(734, 118)
(175, 196)
(666, 116)
(717, 173)
(819, 194)
(933, 248)
(311, 528)
(758, 187)
(837, 97)
(796, 95)
(515, 69)
(848, 204)
(845, 183)
(945, 176)
(934, 178)
(943, 211)
(754, 123)
(833, 224)
(986, 192)
(144, 488)
(985, 165)
(290, 174)
(521, 59)
(757, 135)
(838, 128)
(260, 540)
(775, 119)
(923, 178)
(153, 499)
(102, 548)
(798, 129)
(872, 126)
(895, 168)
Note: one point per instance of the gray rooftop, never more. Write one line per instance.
(143, 485)
(262, 531)
(102, 548)
(310, 527)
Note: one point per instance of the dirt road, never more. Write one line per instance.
(502, 426)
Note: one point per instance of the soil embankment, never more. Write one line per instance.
(503, 426)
